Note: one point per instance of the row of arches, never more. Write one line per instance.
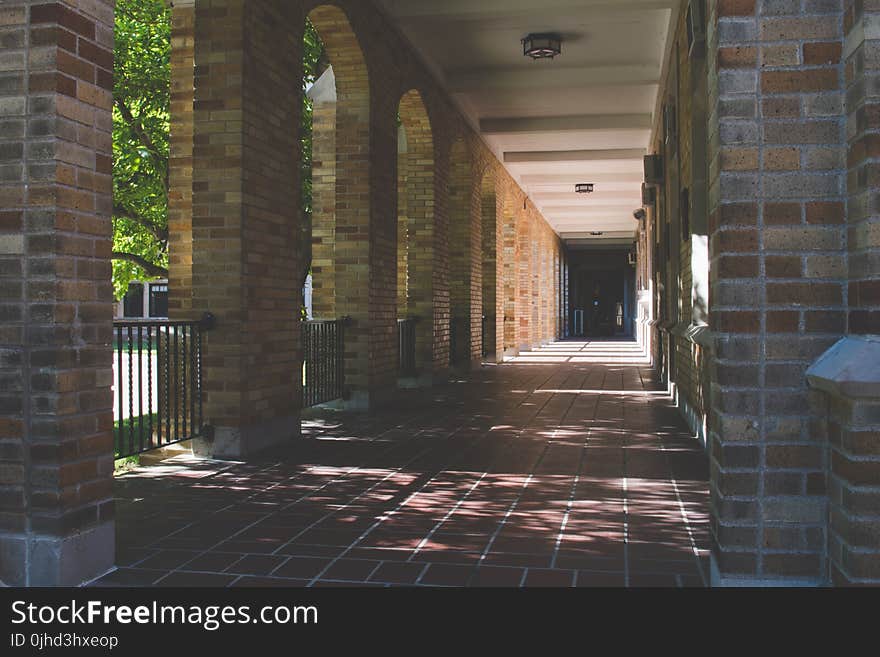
(456, 248)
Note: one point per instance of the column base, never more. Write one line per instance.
(717, 579)
(467, 366)
(424, 380)
(234, 443)
(58, 561)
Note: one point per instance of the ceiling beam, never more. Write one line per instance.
(468, 9)
(602, 191)
(582, 122)
(574, 156)
(536, 78)
(609, 234)
(555, 180)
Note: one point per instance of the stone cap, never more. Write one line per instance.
(692, 332)
(850, 368)
(324, 89)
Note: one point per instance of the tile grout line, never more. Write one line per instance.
(525, 486)
(366, 533)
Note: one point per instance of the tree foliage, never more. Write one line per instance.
(141, 112)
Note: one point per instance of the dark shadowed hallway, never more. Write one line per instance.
(566, 467)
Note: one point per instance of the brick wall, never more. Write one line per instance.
(246, 218)
(180, 163)
(777, 267)
(853, 402)
(791, 250)
(56, 444)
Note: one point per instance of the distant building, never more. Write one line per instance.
(144, 301)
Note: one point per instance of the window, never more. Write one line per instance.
(133, 302)
(158, 300)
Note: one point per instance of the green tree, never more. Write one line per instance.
(141, 109)
(314, 64)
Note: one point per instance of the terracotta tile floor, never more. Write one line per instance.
(566, 467)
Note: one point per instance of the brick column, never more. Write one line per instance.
(56, 417)
(524, 281)
(509, 345)
(777, 295)
(324, 98)
(849, 373)
(465, 268)
(246, 218)
(180, 162)
(493, 271)
(427, 189)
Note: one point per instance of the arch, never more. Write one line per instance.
(417, 231)
(493, 290)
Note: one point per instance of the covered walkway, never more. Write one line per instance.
(568, 466)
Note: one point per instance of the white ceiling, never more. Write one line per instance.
(583, 117)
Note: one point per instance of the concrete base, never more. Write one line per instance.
(53, 561)
(716, 579)
(695, 421)
(850, 368)
(234, 443)
(466, 367)
(424, 380)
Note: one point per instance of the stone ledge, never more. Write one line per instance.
(699, 334)
(850, 368)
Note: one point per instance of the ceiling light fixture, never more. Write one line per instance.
(542, 46)
(584, 188)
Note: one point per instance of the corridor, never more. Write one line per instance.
(566, 467)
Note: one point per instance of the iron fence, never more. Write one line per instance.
(406, 343)
(488, 331)
(323, 361)
(158, 384)
(455, 326)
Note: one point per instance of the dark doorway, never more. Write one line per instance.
(602, 293)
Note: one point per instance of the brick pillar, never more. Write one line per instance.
(493, 268)
(180, 162)
(343, 231)
(402, 227)
(56, 417)
(524, 281)
(246, 214)
(465, 269)
(324, 99)
(848, 374)
(534, 279)
(776, 294)
(427, 239)
(509, 344)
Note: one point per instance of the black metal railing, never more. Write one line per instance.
(488, 329)
(406, 346)
(323, 361)
(158, 384)
(455, 326)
